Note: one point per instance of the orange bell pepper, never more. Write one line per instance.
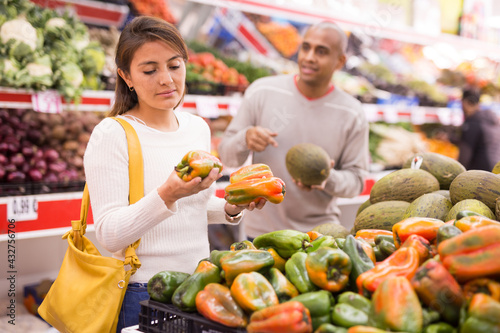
(216, 303)
(473, 254)
(243, 245)
(285, 290)
(252, 190)
(279, 262)
(252, 171)
(329, 268)
(420, 244)
(368, 249)
(471, 222)
(437, 288)
(423, 226)
(396, 306)
(482, 285)
(370, 234)
(197, 163)
(243, 261)
(252, 291)
(290, 317)
(314, 234)
(365, 329)
(403, 262)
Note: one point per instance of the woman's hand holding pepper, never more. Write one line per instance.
(175, 188)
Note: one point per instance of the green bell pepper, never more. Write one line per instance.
(184, 296)
(359, 259)
(445, 232)
(325, 240)
(355, 300)
(163, 284)
(329, 328)
(286, 242)
(296, 272)
(244, 261)
(319, 303)
(346, 315)
(285, 290)
(440, 328)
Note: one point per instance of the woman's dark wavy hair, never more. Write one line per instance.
(141, 30)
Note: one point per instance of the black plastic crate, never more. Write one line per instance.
(156, 317)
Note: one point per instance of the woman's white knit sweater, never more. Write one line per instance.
(171, 239)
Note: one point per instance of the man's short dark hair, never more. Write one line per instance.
(471, 95)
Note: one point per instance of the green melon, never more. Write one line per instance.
(332, 229)
(472, 205)
(432, 205)
(476, 184)
(308, 163)
(363, 206)
(381, 215)
(444, 168)
(404, 185)
(444, 193)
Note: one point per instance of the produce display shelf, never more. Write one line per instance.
(216, 106)
(91, 12)
(377, 26)
(55, 211)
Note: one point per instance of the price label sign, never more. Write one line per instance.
(22, 208)
(391, 115)
(207, 107)
(48, 101)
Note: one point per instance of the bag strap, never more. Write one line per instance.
(136, 192)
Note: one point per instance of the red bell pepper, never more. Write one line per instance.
(251, 190)
(250, 172)
(290, 317)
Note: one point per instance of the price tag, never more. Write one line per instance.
(207, 107)
(47, 101)
(371, 112)
(444, 115)
(233, 106)
(391, 115)
(22, 208)
(418, 115)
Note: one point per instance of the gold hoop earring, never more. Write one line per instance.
(131, 88)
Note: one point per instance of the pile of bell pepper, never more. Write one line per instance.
(424, 276)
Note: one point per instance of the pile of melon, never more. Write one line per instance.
(440, 188)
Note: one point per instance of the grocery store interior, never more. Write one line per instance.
(407, 63)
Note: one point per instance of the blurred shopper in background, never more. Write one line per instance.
(480, 139)
(281, 111)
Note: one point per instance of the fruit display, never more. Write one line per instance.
(282, 35)
(42, 152)
(52, 52)
(156, 8)
(412, 263)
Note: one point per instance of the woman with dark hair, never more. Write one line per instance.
(173, 216)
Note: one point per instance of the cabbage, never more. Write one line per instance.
(20, 36)
(37, 74)
(8, 70)
(71, 79)
(93, 60)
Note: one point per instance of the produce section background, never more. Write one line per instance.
(408, 74)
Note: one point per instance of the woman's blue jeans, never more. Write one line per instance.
(129, 313)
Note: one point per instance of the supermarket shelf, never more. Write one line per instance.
(216, 106)
(90, 12)
(375, 26)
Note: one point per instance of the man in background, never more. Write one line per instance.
(278, 112)
(479, 146)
